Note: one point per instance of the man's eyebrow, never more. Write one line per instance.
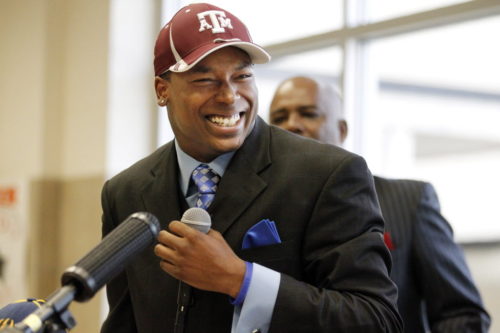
(200, 69)
(308, 106)
(280, 110)
(244, 64)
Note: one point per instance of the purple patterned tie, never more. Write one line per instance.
(206, 180)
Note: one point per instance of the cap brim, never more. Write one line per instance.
(256, 53)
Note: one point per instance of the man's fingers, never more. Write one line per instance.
(165, 253)
(168, 259)
(182, 229)
(176, 230)
(165, 237)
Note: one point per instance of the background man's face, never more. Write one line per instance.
(303, 106)
(212, 107)
(295, 108)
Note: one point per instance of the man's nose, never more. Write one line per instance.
(228, 93)
(294, 124)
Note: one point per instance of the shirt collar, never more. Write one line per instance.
(187, 164)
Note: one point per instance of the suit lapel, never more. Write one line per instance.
(241, 183)
(161, 193)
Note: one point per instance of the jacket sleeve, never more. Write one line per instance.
(346, 287)
(452, 300)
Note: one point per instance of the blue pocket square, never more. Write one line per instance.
(263, 233)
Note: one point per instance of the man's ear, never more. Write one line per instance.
(343, 129)
(161, 88)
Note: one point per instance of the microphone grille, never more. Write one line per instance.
(197, 218)
(112, 254)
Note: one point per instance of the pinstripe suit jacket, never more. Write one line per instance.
(333, 260)
(435, 288)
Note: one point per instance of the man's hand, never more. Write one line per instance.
(204, 261)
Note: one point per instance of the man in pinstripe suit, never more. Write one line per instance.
(436, 290)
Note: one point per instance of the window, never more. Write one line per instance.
(279, 20)
(438, 98)
(386, 9)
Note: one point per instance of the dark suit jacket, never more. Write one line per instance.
(435, 287)
(333, 261)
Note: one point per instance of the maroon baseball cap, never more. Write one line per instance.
(197, 30)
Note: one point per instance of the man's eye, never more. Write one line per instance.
(245, 76)
(310, 115)
(205, 79)
(277, 120)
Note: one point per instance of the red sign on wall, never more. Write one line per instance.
(7, 196)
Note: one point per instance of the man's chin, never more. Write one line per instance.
(228, 145)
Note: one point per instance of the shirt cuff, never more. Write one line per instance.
(240, 298)
(256, 312)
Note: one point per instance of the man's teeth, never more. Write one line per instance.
(225, 121)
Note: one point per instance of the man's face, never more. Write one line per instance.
(295, 108)
(212, 107)
(301, 107)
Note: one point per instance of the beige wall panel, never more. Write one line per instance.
(43, 252)
(53, 87)
(22, 57)
(85, 88)
(53, 84)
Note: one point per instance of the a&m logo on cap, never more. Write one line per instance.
(217, 19)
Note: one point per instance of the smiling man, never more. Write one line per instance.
(296, 240)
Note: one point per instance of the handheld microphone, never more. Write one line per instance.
(82, 280)
(199, 219)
